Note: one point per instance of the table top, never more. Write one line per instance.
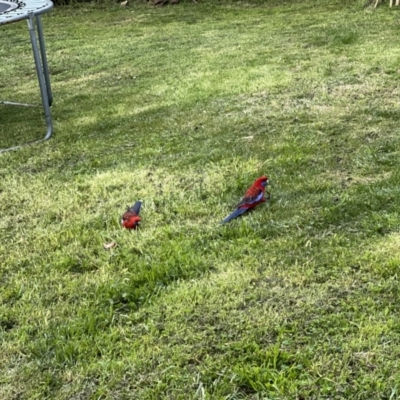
(16, 10)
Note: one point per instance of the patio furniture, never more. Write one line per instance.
(31, 10)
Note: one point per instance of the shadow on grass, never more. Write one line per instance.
(14, 120)
(299, 211)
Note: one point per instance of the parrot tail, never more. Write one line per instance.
(235, 214)
(136, 207)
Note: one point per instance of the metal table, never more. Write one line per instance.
(15, 10)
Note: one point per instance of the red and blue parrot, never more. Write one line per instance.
(131, 219)
(254, 195)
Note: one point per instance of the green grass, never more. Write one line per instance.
(184, 107)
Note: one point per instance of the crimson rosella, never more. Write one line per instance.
(253, 196)
(131, 219)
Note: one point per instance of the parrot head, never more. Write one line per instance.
(263, 181)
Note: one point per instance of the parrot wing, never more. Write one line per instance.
(252, 196)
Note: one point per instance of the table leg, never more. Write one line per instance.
(41, 73)
(44, 58)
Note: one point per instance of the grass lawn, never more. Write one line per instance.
(183, 107)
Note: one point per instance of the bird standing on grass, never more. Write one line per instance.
(131, 219)
(255, 195)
